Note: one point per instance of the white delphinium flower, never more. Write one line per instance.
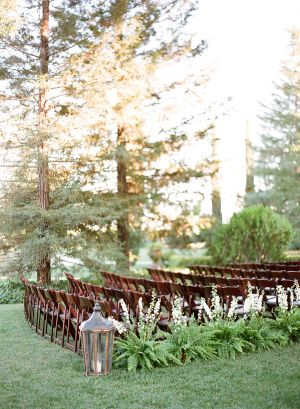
(153, 311)
(125, 311)
(292, 298)
(179, 319)
(200, 312)
(216, 307)
(259, 302)
(282, 298)
(296, 289)
(249, 304)
(147, 322)
(206, 308)
(157, 307)
(141, 308)
(119, 326)
(232, 308)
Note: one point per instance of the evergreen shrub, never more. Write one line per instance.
(11, 292)
(255, 234)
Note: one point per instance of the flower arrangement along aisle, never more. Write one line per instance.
(218, 330)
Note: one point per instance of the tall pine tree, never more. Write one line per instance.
(278, 165)
(115, 79)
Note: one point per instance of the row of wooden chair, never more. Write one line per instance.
(225, 270)
(189, 295)
(192, 294)
(57, 315)
(204, 279)
(282, 265)
(171, 287)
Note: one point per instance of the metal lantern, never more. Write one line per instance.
(97, 338)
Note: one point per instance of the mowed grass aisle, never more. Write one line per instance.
(37, 374)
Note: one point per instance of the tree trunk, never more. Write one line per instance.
(43, 265)
(123, 222)
(216, 195)
(249, 162)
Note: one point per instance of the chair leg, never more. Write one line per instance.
(63, 329)
(38, 313)
(77, 332)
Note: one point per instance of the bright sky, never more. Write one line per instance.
(247, 40)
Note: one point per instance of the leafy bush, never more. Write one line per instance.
(229, 339)
(143, 346)
(11, 292)
(287, 324)
(190, 342)
(136, 352)
(140, 347)
(258, 332)
(255, 234)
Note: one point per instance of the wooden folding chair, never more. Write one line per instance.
(58, 316)
(39, 306)
(69, 319)
(293, 275)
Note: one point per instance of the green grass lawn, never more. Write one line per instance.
(37, 374)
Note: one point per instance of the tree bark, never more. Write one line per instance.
(123, 222)
(44, 264)
(216, 195)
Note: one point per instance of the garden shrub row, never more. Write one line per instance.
(142, 346)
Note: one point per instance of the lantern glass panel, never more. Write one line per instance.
(110, 349)
(99, 349)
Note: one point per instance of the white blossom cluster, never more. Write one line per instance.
(119, 326)
(203, 307)
(153, 311)
(282, 297)
(253, 302)
(147, 322)
(232, 309)
(216, 306)
(296, 290)
(125, 311)
(212, 314)
(178, 317)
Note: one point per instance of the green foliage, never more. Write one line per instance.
(135, 352)
(268, 379)
(144, 347)
(228, 336)
(11, 292)
(190, 342)
(278, 163)
(288, 324)
(100, 154)
(255, 234)
(177, 258)
(257, 332)
(181, 261)
(155, 252)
